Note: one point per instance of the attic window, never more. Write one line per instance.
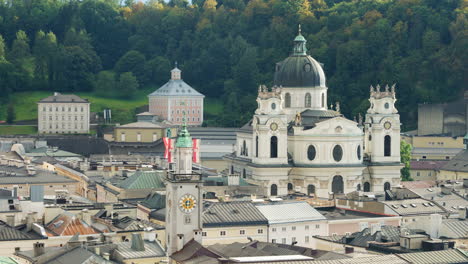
(426, 204)
(404, 206)
(395, 206)
(431, 204)
(58, 223)
(413, 205)
(429, 190)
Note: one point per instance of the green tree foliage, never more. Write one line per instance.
(10, 114)
(106, 85)
(128, 84)
(226, 48)
(405, 154)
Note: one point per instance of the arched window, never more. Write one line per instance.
(386, 186)
(287, 100)
(232, 169)
(308, 100)
(359, 152)
(387, 146)
(337, 153)
(274, 190)
(310, 189)
(367, 187)
(323, 100)
(337, 184)
(273, 147)
(256, 146)
(244, 173)
(244, 149)
(311, 152)
(290, 186)
(358, 188)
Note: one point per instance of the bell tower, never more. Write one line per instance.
(184, 197)
(382, 140)
(270, 128)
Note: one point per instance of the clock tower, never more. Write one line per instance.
(183, 197)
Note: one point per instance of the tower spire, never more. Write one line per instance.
(184, 140)
(300, 43)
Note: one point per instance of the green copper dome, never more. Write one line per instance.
(299, 69)
(184, 140)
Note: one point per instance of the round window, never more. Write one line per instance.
(307, 67)
(387, 106)
(359, 152)
(337, 153)
(273, 106)
(311, 153)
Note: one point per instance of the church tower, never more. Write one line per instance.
(270, 128)
(184, 197)
(382, 140)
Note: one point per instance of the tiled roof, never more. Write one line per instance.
(413, 207)
(176, 88)
(290, 212)
(21, 176)
(436, 151)
(459, 228)
(427, 164)
(450, 202)
(233, 214)
(8, 233)
(67, 224)
(63, 98)
(440, 256)
(144, 125)
(144, 180)
(418, 184)
(152, 250)
(458, 163)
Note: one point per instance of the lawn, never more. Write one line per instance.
(123, 110)
(17, 130)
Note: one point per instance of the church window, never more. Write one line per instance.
(273, 106)
(203, 234)
(323, 100)
(274, 190)
(386, 186)
(370, 137)
(307, 67)
(310, 189)
(358, 188)
(256, 146)
(311, 152)
(367, 187)
(359, 152)
(386, 106)
(337, 184)
(287, 100)
(242, 232)
(244, 173)
(273, 147)
(387, 146)
(222, 233)
(308, 100)
(337, 153)
(290, 187)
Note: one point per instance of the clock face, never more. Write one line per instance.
(274, 126)
(387, 125)
(187, 203)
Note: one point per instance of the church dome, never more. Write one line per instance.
(299, 69)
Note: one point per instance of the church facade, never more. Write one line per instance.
(296, 143)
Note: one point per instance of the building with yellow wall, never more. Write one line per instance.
(434, 147)
(143, 132)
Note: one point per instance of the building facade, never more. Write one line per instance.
(296, 143)
(63, 114)
(175, 98)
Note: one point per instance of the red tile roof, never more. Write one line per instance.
(67, 224)
(427, 164)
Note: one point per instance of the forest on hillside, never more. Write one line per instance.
(226, 48)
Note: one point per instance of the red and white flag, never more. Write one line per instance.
(196, 150)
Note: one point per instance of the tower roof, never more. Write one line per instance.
(184, 140)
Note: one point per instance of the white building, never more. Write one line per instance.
(293, 222)
(63, 113)
(174, 98)
(296, 143)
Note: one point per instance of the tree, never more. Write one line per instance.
(405, 154)
(2, 48)
(10, 114)
(128, 85)
(105, 84)
(20, 48)
(134, 62)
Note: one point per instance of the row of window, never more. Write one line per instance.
(65, 126)
(293, 228)
(63, 109)
(293, 239)
(337, 153)
(181, 112)
(123, 137)
(241, 232)
(63, 118)
(188, 119)
(307, 100)
(187, 102)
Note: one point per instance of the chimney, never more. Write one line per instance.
(106, 256)
(29, 221)
(435, 223)
(349, 250)
(462, 213)
(137, 242)
(446, 189)
(17, 249)
(97, 250)
(86, 216)
(38, 249)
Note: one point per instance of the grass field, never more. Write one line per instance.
(123, 110)
(17, 130)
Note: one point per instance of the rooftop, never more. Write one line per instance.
(290, 212)
(342, 214)
(232, 214)
(143, 180)
(458, 163)
(14, 175)
(427, 164)
(63, 98)
(413, 207)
